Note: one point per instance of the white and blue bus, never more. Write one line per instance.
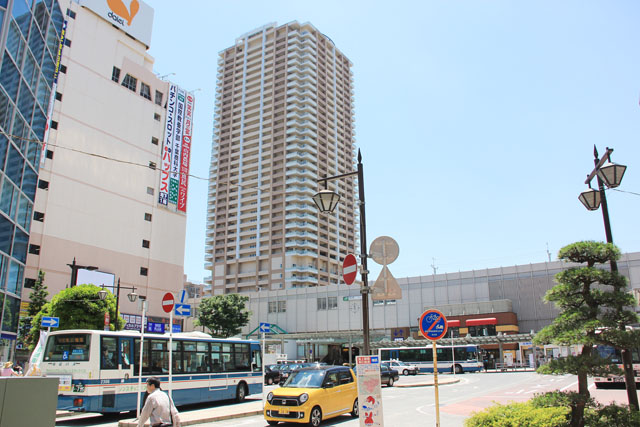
(98, 370)
(465, 358)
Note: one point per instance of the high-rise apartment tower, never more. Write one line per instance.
(283, 119)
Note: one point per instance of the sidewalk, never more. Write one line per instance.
(253, 404)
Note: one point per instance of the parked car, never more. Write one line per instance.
(402, 367)
(312, 394)
(271, 374)
(387, 375)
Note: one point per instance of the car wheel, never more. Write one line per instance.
(241, 393)
(390, 382)
(405, 372)
(272, 423)
(316, 417)
(356, 409)
(269, 381)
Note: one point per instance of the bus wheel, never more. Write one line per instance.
(241, 392)
(458, 369)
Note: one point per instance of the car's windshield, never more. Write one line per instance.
(307, 379)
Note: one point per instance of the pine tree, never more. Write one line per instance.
(38, 296)
(593, 304)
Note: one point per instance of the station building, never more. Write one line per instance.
(498, 308)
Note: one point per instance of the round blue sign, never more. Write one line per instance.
(433, 325)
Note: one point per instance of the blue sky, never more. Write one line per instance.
(476, 119)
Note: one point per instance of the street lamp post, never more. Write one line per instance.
(609, 174)
(327, 201)
(74, 271)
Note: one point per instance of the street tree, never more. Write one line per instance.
(79, 307)
(38, 297)
(223, 315)
(594, 308)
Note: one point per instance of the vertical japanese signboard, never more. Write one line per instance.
(185, 153)
(369, 391)
(174, 179)
(167, 146)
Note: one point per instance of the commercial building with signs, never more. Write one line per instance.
(29, 39)
(111, 198)
(283, 118)
(486, 306)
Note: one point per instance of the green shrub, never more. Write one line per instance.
(611, 415)
(519, 415)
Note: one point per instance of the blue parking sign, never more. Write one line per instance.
(433, 325)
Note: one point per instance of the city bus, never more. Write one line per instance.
(98, 370)
(615, 357)
(465, 357)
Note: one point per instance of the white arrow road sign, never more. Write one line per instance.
(183, 309)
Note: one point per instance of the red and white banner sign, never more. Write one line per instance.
(167, 146)
(349, 269)
(186, 153)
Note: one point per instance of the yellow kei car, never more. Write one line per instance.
(313, 394)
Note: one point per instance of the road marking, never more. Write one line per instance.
(569, 386)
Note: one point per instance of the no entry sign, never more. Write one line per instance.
(349, 269)
(167, 302)
(433, 325)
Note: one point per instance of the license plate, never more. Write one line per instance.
(284, 411)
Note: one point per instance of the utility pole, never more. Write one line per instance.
(433, 265)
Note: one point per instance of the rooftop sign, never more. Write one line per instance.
(134, 17)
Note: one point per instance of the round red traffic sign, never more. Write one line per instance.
(167, 302)
(433, 325)
(349, 269)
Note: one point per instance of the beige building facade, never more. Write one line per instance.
(283, 119)
(98, 196)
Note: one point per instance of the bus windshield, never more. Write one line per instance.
(71, 347)
(615, 355)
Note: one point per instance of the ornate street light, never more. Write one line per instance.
(102, 294)
(611, 174)
(326, 200)
(590, 199)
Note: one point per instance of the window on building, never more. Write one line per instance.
(42, 184)
(156, 117)
(144, 271)
(58, 96)
(115, 74)
(49, 154)
(482, 330)
(67, 42)
(145, 90)
(71, 14)
(54, 124)
(145, 243)
(152, 165)
(63, 69)
(272, 307)
(159, 97)
(147, 217)
(154, 140)
(130, 82)
(150, 191)
(34, 249)
(322, 304)
(38, 216)
(332, 303)
(282, 306)
(29, 283)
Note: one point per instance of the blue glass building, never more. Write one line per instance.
(29, 40)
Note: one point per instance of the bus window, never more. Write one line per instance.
(159, 357)
(202, 357)
(228, 364)
(178, 363)
(125, 352)
(241, 354)
(145, 358)
(216, 357)
(72, 347)
(108, 353)
(190, 356)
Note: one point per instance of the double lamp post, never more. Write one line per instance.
(610, 174)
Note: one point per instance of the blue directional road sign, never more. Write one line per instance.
(433, 325)
(50, 322)
(183, 309)
(265, 327)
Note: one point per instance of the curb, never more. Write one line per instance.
(131, 423)
(431, 384)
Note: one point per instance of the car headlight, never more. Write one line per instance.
(303, 397)
(270, 397)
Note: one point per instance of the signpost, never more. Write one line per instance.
(349, 269)
(384, 250)
(107, 320)
(433, 326)
(265, 328)
(369, 391)
(167, 306)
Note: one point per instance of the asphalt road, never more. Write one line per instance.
(416, 405)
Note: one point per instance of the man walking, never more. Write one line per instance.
(159, 407)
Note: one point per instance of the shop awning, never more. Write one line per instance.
(484, 321)
(453, 323)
